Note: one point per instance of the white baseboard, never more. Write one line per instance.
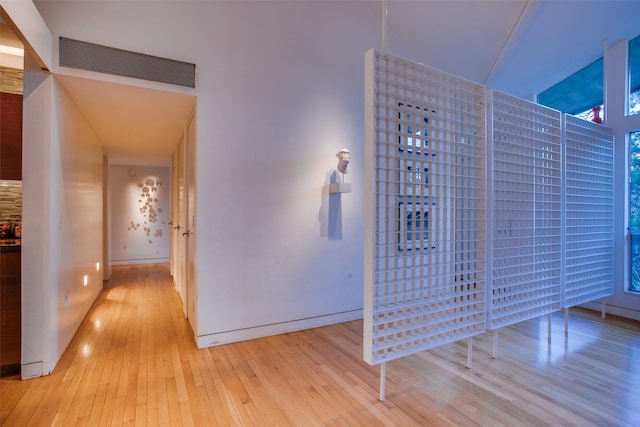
(227, 337)
(617, 311)
(32, 370)
(139, 261)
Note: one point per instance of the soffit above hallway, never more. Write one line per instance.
(138, 122)
(136, 125)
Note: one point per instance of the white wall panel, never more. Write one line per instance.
(276, 251)
(36, 230)
(62, 223)
(425, 208)
(76, 204)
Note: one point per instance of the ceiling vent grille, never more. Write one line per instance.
(108, 60)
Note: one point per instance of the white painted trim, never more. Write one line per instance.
(617, 311)
(32, 370)
(228, 337)
(140, 261)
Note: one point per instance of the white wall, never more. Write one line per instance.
(62, 205)
(276, 251)
(76, 220)
(62, 222)
(36, 315)
(139, 225)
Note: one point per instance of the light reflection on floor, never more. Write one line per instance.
(584, 335)
(561, 344)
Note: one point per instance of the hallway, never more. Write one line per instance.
(133, 362)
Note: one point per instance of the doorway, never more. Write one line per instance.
(134, 123)
(183, 221)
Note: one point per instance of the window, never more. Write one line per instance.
(634, 210)
(579, 92)
(634, 76)
(594, 114)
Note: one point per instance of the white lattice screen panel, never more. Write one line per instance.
(527, 215)
(425, 211)
(588, 211)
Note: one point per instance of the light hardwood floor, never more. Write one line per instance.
(133, 362)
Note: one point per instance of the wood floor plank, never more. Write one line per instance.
(133, 363)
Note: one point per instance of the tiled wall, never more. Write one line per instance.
(11, 80)
(10, 201)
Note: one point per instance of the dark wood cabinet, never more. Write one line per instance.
(10, 310)
(10, 136)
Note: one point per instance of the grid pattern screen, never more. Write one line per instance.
(426, 208)
(527, 210)
(588, 211)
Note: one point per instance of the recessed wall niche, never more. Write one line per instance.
(139, 211)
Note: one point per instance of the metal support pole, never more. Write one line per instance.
(566, 321)
(604, 307)
(384, 25)
(469, 352)
(495, 343)
(383, 375)
(549, 327)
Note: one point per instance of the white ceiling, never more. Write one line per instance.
(558, 38)
(465, 36)
(521, 47)
(517, 46)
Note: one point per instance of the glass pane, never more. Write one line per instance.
(634, 76)
(634, 210)
(594, 114)
(580, 91)
(634, 286)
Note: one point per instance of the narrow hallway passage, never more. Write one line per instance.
(124, 363)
